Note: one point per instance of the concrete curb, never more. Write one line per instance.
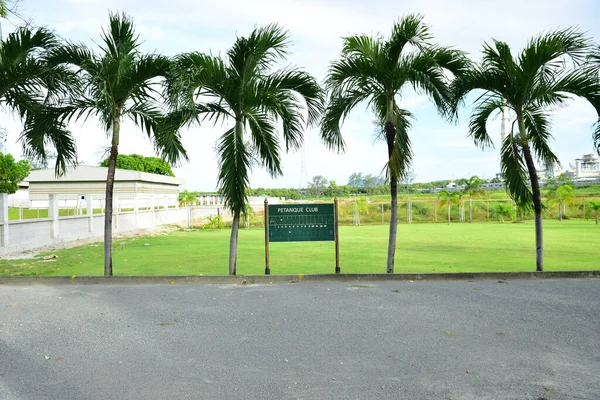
(266, 279)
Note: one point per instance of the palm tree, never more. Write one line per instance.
(595, 206)
(448, 198)
(244, 92)
(563, 195)
(473, 189)
(120, 83)
(532, 84)
(188, 198)
(29, 87)
(375, 71)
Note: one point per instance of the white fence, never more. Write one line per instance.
(35, 233)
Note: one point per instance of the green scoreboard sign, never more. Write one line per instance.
(301, 223)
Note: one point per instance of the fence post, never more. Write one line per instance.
(90, 212)
(4, 219)
(116, 208)
(53, 214)
(153, 210)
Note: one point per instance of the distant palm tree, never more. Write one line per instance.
(375, 71)
(188, 199)
(532, 84)
(563, 195)
(244, 92)
(29, 86)
(120, 83)
(595, 206)
(473, 189)
(449, 198)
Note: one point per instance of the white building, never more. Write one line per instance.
(586, 169)
(132, 189)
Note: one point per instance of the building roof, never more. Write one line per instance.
(88, 173)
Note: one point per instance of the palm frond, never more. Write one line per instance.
(167, 139)
(120, 40)
(44, 128)
(477, 125)
(538, 128)
(546, 50)
(265, 141)
(338, 109)
(596, 136)
(233, 175)
(409, 30)
(258, 52)
(362, 47)
(402, 155)
(514, 171)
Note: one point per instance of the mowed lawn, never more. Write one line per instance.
(428, 248)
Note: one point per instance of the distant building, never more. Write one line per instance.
(132, 189)
(585, 170)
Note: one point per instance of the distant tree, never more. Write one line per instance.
(408, 178)
(372, 182)
(317, 186)
(11, 173)
(359, 206)
(136, 162)
(472, 188)
(448, 198)
(188, 198)
(563, 195)
(356, 180)
(595, 206)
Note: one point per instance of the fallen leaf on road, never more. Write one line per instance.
(47, 357)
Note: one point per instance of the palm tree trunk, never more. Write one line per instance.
(110, 184)
(390, 132)
(596, 217)
(233, 241)
(537, 208)
(448, 213)
(470, 209)
(560, 211)
(393, 226)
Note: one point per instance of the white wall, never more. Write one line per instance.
(36, 233)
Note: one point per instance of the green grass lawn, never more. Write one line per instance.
(481, 247)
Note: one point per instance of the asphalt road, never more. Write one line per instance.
(524, 339)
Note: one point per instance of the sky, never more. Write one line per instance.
(316, 27)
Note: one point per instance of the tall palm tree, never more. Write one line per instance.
(473, 189)
(375, 71)
(245, 92)
(532, 83)
(120, 83)
(29, 87)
